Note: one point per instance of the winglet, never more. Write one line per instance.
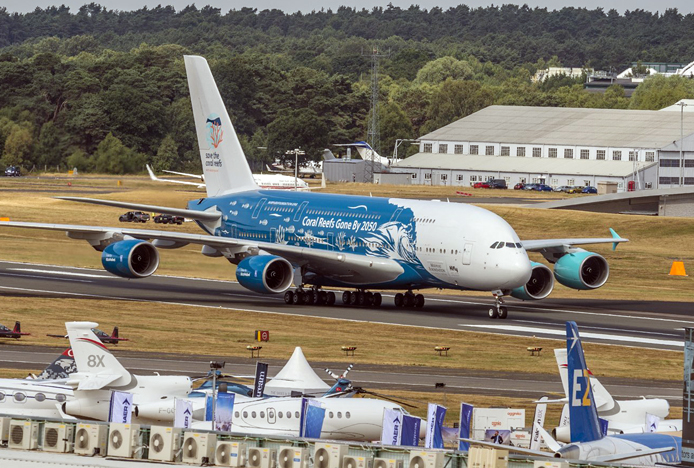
(151, 174)
(614, 236)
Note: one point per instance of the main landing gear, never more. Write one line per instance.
(361, 298)
(309, 297)
(409, 300)
(498, 311)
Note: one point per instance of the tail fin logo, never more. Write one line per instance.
(581, 376)
(214, 128)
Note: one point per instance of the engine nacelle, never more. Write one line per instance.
(265, 274)
(95, 405)
(539, 286)
(130, 258)
(582, 270)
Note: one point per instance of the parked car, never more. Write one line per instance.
(529, 186)
(168, 219)
(498, 184)
(589, 189)
(13, 171)
(542, 188)
(481, 185)
(576, 189)
(519, 186)
(563, 188)
(134, 217)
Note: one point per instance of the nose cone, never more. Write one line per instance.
(517, 269)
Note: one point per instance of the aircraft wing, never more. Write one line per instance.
(564, 245)
(192, 214)
(625, 456)
(173, 181)
(344, 266)
(510, 448)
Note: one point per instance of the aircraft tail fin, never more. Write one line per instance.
(61, 368)
(583, 414)
(603, 398)
(92, 359)
(17, 327)
(223, 162)
(328, 155)
(115, 332)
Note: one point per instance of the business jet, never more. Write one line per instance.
(624, 416)
(367, 153)
(330, 240)
(588, 443)
(264, 181)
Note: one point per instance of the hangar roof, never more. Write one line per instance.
(523, 165)
(617, 128)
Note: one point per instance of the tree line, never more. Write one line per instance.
(106, 91)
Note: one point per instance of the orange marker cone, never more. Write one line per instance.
(677, 269)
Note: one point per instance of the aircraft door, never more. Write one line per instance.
(467, 254)
(271, 415)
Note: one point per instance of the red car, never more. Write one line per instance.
(481, 185)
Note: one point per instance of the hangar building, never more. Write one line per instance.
(557, 146)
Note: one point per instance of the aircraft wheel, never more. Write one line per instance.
(378, 299)
(322, 297)
(419, 301)
(493, 313)
(503, 312)
(330, 300)
(308, 298)
(408, 300)
(288, 297)
(297, 298)
(354, 299)
(346, 297)
(399, 300)
(369, 299)
(362, 299)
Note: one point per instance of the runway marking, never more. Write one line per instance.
(596, 336)
(65, 273)
(586, 327)
(46, 277)
(249, 296)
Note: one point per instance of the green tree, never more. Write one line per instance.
(80, 161)
(18, 146)
(300, 128)
(394, 125)
(658, 92)
(455, 100)
(443, 68)
(113, 157)
(167, 154)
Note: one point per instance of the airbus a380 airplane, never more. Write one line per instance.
(277, 237)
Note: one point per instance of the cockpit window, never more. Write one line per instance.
(493, 246)
(500, 245)
(511, 244)
(519, 245)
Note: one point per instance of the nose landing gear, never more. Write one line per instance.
(498, 311)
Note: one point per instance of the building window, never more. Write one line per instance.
(633, 156)
(537, 152)
(568, 153)
(474, 149)
(600, 154)
(520, 151)
(506, 151)
(489, 151)
(414, 176)
(427, 176)
(473, 178)
(460, 177)
(689, 163)
(570, 182)
(444, 177)
(616, 155)
(555, 182)
(585, 154)
(669, 163)
(689, 181)
(536, 180)
(650, 156)
(443, 148)
(458, 149)
(427, 148)
(552, 153)
(669, 180)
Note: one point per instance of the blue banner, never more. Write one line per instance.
(120, 410)
(434, 436)
(465, 425)
(410, 431)
(312, 419)
(603, 426)
(208, 408)
(224, 412)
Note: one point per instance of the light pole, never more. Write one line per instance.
(682, 105)
(214, 367)
(296, 152)
(399, 142)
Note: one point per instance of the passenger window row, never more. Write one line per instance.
(345, 214)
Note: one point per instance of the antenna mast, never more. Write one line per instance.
(373, 135)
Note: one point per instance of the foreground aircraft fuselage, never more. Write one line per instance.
(435, 244)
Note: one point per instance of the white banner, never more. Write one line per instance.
(391, 434)
(538, 421)
(564, 419)
(652, 422)
(435, 416)
(121, 407)
(183, 413)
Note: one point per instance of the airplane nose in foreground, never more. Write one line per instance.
(517, 272)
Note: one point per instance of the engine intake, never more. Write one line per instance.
(130, 258)
(267, 274)
(539, 286)
(582, 270)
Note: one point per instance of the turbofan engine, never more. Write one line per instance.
(582, 270)
(130, 258)
(539, 285)
(265, 274)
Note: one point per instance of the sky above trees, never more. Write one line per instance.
(306, 6)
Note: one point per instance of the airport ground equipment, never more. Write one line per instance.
(164, 443)
(91, 439)
(485, 457)
(388, 463)
(426, 459)
(292, 457)
(329, 455)
(24, 435)
(123, 440)
(262, 457)
(4, 429)
(198, 447)
(230, 453)
(357, 462)
(550, 464)
(58, 437)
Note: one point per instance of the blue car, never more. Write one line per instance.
(589, 189)
(543, 188)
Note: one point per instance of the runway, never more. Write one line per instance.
(650, 324)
